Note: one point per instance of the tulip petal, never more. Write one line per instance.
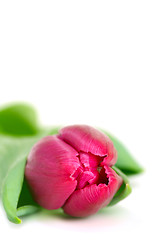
(88, 139)
(50, 166)
(111, 159)
(89, 161)
(90, 199)
(83, 179)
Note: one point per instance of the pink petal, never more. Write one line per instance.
(90, 199)
(89, 161)
(88, 139)
(50, 166)
(111, 159)
(84, 178)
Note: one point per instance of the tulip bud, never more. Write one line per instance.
(73, 170)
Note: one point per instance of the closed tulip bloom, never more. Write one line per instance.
(73, 170)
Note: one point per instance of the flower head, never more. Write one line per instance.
(73, 170)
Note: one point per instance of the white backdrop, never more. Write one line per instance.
(92, 62)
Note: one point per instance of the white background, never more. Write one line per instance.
(93, 62)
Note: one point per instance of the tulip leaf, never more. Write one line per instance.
(13, 153)
(27, 210)
(125, 162)
(18, 119)
(11, 190)
(124, 190)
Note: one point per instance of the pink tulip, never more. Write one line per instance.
(73, 170)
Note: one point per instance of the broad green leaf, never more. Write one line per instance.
(124, 190)
(125, 162)
(27, 210)
(18, 119)
(11, 190)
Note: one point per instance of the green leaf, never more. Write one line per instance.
(13, 153)
(27, 210)
(19, 120)
(126, 162)
(124, 190)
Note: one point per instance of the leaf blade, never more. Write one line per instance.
(27, 210)
(125, 162)
(11, 191)
(18, 119)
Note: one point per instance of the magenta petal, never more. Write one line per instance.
(50, 166)
(90, 199)
(89, 161)
(84, 178)
(111, 159)
(88, 139)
